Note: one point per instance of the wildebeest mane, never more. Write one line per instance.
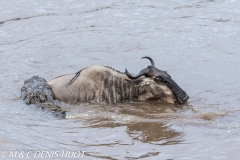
(75, 77)
(114, 69)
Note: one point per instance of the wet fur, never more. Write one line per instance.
(104, 84)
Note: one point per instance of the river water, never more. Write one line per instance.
(197, 42)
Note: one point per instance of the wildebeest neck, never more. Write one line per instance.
(116, 88)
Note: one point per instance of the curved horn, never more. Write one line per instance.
(150, 60)
(141, 73)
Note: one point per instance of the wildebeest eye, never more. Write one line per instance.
(157, 79)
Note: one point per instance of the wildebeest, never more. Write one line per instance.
(105, 85)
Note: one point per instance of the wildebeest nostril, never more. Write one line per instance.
(185, 98)
(179, 100)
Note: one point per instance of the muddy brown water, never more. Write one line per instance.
(197, 42)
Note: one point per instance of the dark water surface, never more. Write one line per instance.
(197, 42)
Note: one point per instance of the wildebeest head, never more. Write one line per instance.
(161, 85)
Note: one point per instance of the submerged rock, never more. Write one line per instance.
(37, 91)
